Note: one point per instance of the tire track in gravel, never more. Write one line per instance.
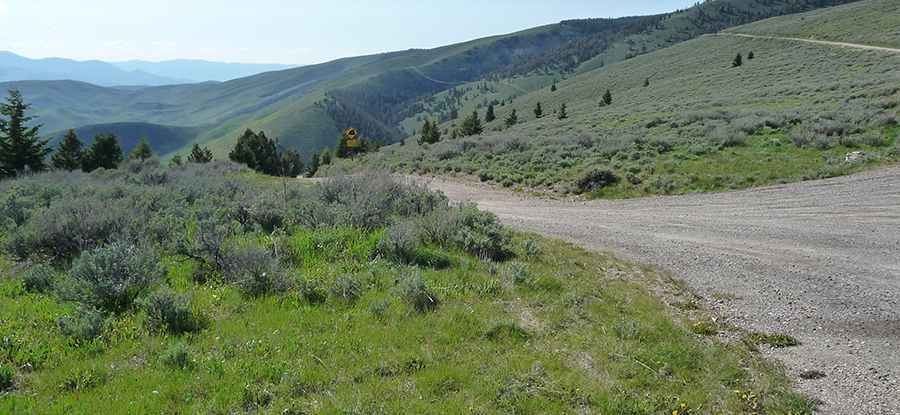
(817, 260)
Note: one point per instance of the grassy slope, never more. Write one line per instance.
(283, 103)
(576, 338)
(872, 22)
(694, 91)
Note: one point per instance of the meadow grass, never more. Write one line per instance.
(548, 330)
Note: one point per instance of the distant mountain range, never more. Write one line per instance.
(14, 67)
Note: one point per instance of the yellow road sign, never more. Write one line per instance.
(351, 135)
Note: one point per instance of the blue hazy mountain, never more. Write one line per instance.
(199, 70)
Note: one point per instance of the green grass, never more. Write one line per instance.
(766, 159)
(570, 340)
(778, 341)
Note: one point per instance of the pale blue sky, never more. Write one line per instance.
(282, 31)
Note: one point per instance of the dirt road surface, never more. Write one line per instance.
(817, 260)
(814, 41)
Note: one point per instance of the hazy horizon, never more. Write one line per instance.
(294, 34)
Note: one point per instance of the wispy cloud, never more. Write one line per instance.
(4, 7)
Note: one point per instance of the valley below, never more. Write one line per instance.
(814, 260)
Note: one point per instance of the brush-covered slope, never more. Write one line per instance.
(307, 107)
(875, 23)
(792, 112)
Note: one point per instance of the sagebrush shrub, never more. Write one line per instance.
(255, 272)
(594, 180)
(113, 276)
(177, 356)
(171, 312)
(346, 288)
(415, 292)
(312, 291)
(399, 243)
(67, 228)
(480, 233)
(84, 325)
(39, 278)
(518, 273)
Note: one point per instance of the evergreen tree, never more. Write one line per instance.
(490, 116)
(646, 82)
(20, 146)
(751, 56)
(313, 165)
(607, 98)
(553, 87)
(257, 152)
(326, 158)
(738, 61)
(431, 133)
(176, 161)
(68, 155)
(538, 111)
(472, 125)
(562, 112)
(200, 155)
(512, 119)
(291, 164)
(142, 151)
(435, 135)
(105, 152)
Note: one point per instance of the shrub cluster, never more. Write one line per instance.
(171, 312)
(111, 277)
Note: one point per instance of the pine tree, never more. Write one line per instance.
(646, 82)
(68, 155)
(562, 112)
(607, 98)
(313, 165)
(538, 111)
(553, 87)
(105, 152)
(142, 151)
(21, 147)
(435, 135)
(490, 116)
(291, 164)
(257, 151)
(512, 119)
(472, 125)
(751, 56)
(176, 161)
(200, 155)
(738, 61)
(431, 133)
(326, 158)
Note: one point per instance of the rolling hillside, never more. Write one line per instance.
(683, 119)
(307, 107)
(195, 70)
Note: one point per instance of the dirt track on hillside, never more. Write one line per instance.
(814, 41)
(817, 260)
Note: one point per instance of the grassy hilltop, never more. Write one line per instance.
(208, 289)
(686, 119)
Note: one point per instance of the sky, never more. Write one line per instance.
(277, 31)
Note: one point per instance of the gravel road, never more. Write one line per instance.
(817, 260)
